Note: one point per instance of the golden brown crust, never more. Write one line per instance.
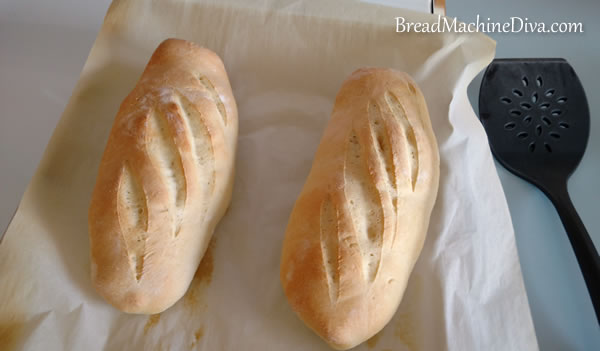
(164, 180)
(360, 221)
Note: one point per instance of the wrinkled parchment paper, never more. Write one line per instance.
(286, 61)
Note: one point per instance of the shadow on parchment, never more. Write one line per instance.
(62, 187)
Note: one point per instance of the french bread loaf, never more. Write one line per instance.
(164, 180)
(360, 221)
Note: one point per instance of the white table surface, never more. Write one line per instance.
(44, 44)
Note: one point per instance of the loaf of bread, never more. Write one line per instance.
(360, 221)
(165, 179)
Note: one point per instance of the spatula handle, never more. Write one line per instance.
(587, 256)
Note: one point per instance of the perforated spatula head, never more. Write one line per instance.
(536, 116)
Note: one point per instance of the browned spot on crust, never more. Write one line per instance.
(10, 332)
(151, 322)
(205, 269)
(372, 342)
(202, 278)
(13, 315)
(197, 336)
(160, 347)
(405, 331)
(406, 327)
(411, 88)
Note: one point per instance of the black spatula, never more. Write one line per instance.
(536, 116)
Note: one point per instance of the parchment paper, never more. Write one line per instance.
(286, 61)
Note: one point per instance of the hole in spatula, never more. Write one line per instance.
(546, 121)
(526, 106)
(522, 135)
(515, 113)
